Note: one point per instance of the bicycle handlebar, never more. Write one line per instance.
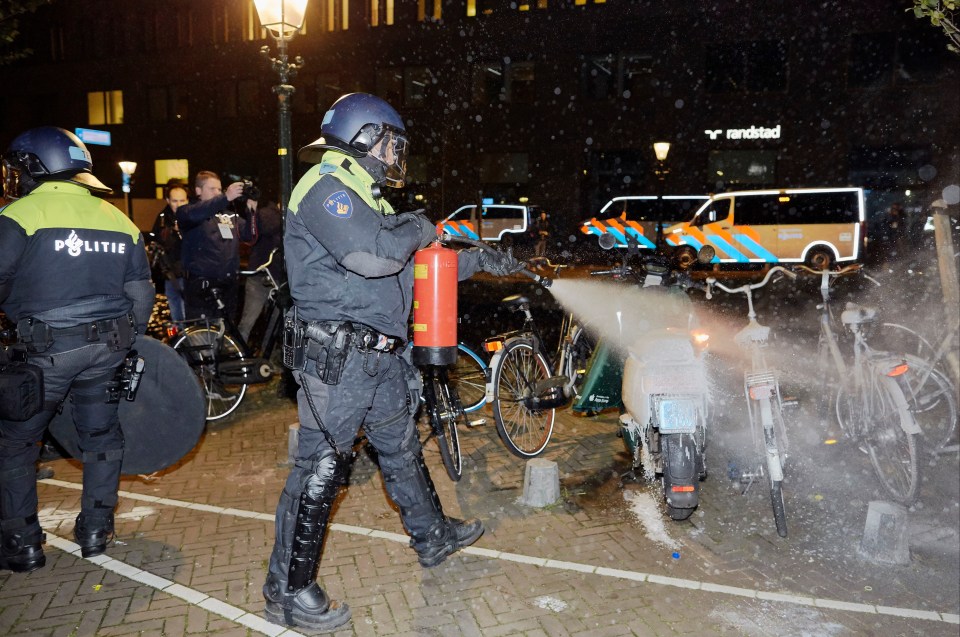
(853, 267)
(619, 271)
(744, 289)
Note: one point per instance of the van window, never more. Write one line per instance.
(463, 214)
(820, 207)
(755, 210)
(502, 212)
(716, 211)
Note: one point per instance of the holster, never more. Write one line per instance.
(21, 386)
(36, 335)
(326, 344)
(329, 351)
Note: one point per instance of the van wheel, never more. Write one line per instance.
(685, 257)
(820, 259)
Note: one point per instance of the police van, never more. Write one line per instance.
(506, 223)
(637, 217)
(816, 226)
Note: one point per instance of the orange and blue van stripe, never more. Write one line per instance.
(619, 230)
(458, 229)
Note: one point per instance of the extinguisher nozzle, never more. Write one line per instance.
(542, 280)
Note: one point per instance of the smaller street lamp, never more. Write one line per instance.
(661, 150)
(283, 18)
(127, 168)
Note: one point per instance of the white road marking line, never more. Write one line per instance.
(189, 595)
(658, 580)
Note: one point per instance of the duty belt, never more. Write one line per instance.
(365, 338)
(92, 331)
(116, 332)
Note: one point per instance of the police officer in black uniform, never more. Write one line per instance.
(350, 268)
(74, 277)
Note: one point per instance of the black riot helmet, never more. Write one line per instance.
(367, 128)
(47, 153)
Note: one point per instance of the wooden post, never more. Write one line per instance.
(949, 284)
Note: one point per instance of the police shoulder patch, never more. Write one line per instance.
(339, 205)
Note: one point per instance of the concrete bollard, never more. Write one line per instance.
(886, 534)
(293, 440)
(541, 483)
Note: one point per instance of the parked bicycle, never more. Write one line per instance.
(761, 387)
(446, 415)
(219, 356)
(870, 400)
(527, 382)
(932, 394)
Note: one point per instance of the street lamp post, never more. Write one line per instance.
(661, 150)
(127, 168)
(283, 18)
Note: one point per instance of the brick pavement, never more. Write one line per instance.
(585, 566)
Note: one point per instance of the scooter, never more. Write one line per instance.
(664, 389)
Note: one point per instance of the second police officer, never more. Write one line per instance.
(350, 266)
(74, 278)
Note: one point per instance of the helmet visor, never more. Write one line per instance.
(391, 151)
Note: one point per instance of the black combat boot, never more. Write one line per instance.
(93, 533)
(292, 594)
(21, 549)
(433, 535)
(445, 538)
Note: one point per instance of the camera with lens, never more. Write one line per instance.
(250, 191)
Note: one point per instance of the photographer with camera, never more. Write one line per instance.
(212, 229)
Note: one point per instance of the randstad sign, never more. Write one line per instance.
(754, 132)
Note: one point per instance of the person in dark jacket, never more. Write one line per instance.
(74, 278)
(256, 288)
(167, 234)
(350, 269)
(212, 231)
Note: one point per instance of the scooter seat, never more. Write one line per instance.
(858, 314)
(514, 301)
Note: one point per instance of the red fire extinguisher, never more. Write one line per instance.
(435, 306)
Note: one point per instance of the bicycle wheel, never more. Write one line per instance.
(933, 402)
(524, 430)
(577, 359)
(774, 451)
(893, 451)
(443, 407)
(468, 376)
(204, 350)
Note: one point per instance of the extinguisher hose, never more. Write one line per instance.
(450, 238)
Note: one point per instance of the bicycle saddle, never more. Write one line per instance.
(858, 314)
(515, 301)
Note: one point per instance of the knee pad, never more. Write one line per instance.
(328, 471)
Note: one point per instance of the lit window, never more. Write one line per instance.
(436, 14)
(251, 24)
(105, 107)
(381, 12)
(167, 169)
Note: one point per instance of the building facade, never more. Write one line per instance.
(555, 102)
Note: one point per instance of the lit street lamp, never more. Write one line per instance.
(127, 168)
(661, 150)
(283, 18)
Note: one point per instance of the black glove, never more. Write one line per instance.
(499, 263)
(428, 230)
